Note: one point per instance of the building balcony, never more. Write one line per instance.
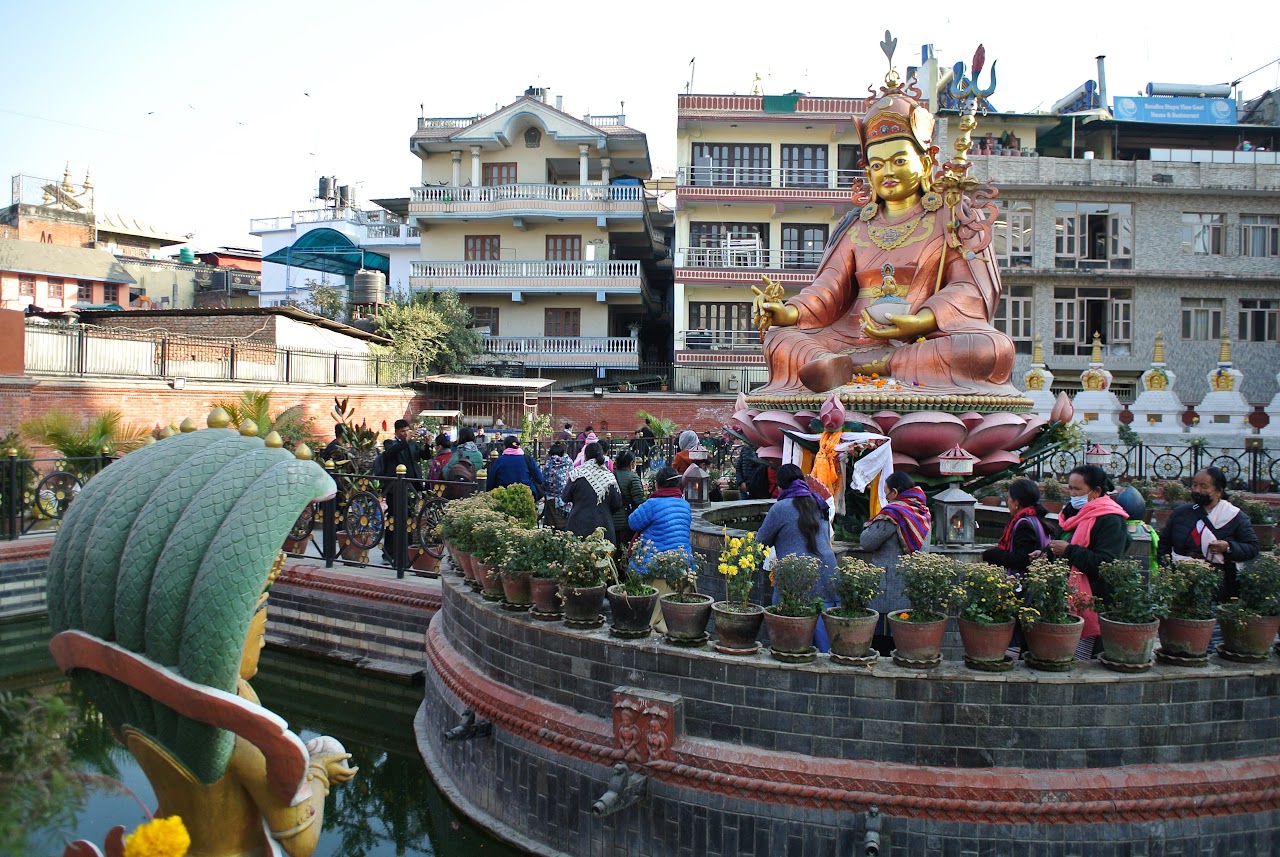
(764, 184)
(445, 202)
(1173, 176)
(769, 108)
(704, 347)
(366, 228)
(613, 277)
(609, 352)
(746, 265)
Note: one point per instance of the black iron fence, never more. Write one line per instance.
(1251, 467)
(35, 492)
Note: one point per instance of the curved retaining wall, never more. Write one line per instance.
(746, 755)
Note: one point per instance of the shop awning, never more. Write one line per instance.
(329, 251)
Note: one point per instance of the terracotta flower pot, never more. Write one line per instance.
(986, 644)
(1185, 642)
(917, 645)
(850, 636)
(490, 583)
(1128, 646)
(737, 627)
(582, 605)
(469, 566)
(632, 614)
(517, 591)
(1247, 638)
(686, 620)
(1053, 647)
(545, 595)
(424, 562)
(791, 637)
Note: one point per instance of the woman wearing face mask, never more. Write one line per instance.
(1099, 532)
(1210, 528)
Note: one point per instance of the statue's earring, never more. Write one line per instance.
(931, 201)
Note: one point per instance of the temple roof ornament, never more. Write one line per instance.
(1096, 377)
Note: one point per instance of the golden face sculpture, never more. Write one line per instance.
(896, 169)
(255, 640)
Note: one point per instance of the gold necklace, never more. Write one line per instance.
(891, 237)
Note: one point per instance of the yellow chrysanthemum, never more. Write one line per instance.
(160, 837)
(724, 568)
(735, 543)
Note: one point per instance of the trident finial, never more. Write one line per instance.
(964, 88)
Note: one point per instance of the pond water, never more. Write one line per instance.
(392, 807)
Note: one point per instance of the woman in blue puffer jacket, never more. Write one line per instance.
(513, 467)
(664, 519)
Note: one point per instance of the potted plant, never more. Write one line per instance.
(1051, 622)
(1262, 517)
(792, 621)
(631, 603)
(547, 549)
(852, 625)
(634, 327)
(989, 610)
(456, 526)
(663, 382)
(1051, 494)
(685, 612)
(1250, 620)
(1185, 632)
(515, 567)
(1130, 614)
(929, 582)
(588, 563)
(489, 538)
(517, 501)
(737, 619)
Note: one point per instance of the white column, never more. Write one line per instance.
(605, 163)
(583, 149)
(456, 181)
(475, 166)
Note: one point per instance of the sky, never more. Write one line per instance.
(198, 117)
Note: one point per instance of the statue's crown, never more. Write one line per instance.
(897, 113)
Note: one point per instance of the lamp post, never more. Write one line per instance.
(1099, 455)
(696, 482)
(954, 507)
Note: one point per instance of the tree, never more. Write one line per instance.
(431, 329)
(326, 301)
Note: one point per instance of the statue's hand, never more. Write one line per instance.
(901, 326)
(328, 755)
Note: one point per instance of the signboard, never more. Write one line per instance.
(1175, 110)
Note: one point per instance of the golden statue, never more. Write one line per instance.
(930, 247)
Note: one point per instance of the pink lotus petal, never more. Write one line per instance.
(831, 414)
(971, 419)
(886, 419)
(996, 432)
(995, 462)
(1034, 423)
(1063, 410)
(921, 434)
(770, 455)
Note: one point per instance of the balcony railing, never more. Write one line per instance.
(532, 345)
(751, 257)
(527, 192)
(533, 268)
(718, 340)
(800, 179)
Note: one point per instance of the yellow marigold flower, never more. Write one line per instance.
(160, 837)
(735, 543)
(724, 568)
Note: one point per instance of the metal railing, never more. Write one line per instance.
(1252, 467)
(766, 177)
(615, 269)
(702, 339)
(747, 257)
(57, 349)
(561, 345)
(535, 192)
(36, 492)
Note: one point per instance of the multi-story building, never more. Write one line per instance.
(542, 223)
(1124, 228)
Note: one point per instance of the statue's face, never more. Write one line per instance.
(253, 643)
(896, 169)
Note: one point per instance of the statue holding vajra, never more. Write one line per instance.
(907, 287)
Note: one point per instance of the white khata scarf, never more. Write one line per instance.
(598, 477)
(1219, 516)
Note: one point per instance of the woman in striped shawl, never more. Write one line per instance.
(902, 527)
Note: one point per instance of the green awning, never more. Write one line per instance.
(329, 251)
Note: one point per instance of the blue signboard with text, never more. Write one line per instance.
(1175, 110)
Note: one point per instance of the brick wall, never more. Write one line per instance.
(255, 328)
(618, 410)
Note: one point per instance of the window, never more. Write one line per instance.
(562, 322)
(727, 245)
(55, 288)
(84, 292)
(804, 166)
(802, 244)
(1202, 319)
(1093, 235)
(730, 164)
(1259, 235)
(495, 174)
(720, 325)
(1014, 316)
(564, 248)
(481, 248)
(110, 293)
(1203, 234)
(1259, 320)
(1013, 233)
(1079, 313)
(848, 165)
(27, 286)
(485, 316)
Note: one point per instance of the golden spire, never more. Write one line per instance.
(274, 440)
(1159, 358)
(1037, 353)
(1224, 351)
(249, 428)
(1096, 356)
(188, 425)
(218, 418)
(304, 452)
(66, 179)
(88, 181)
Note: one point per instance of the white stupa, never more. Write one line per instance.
(1273, 410)
(1038, 382)
(1158, 410)
(1224, 410)
(1097, 408)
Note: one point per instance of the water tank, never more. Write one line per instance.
(344, 195)
(326, 188)
(1191, 90)
(186, 255)
(368, 287)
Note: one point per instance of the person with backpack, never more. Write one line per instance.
(465, 448)
(444, 452)
(1027, 531)
(514, 467)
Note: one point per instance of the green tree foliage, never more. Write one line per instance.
(431, 329)
(326, 301)
(73, 438)
(293, 424)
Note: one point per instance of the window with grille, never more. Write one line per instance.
(848, 165)
(730, 164)
(1012, 234)
(1202, 318)
(1259, 235)
(804, 166)
(562, 322)
(1093, 235)
(482, 248)
(111, 293)
(27, 286)
(84, 292)
(1014, 316)
(720, 325)
(803, 244)
(496, 174)
(1203, 234)
(56, 290)
(485, 316)
(1079, 313)
(1259, 320)
(727, 245)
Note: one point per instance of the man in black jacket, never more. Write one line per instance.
(407, 450)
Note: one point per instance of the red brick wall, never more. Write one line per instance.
(257, 328)
(618, 410)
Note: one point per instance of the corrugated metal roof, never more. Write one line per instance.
(77, 263)
(123, 224)
(482, 381)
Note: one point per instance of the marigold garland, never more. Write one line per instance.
(160, 837)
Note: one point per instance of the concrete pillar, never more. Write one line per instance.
(456, 180)
(475, 166)
(605, 164)
(583, 161)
